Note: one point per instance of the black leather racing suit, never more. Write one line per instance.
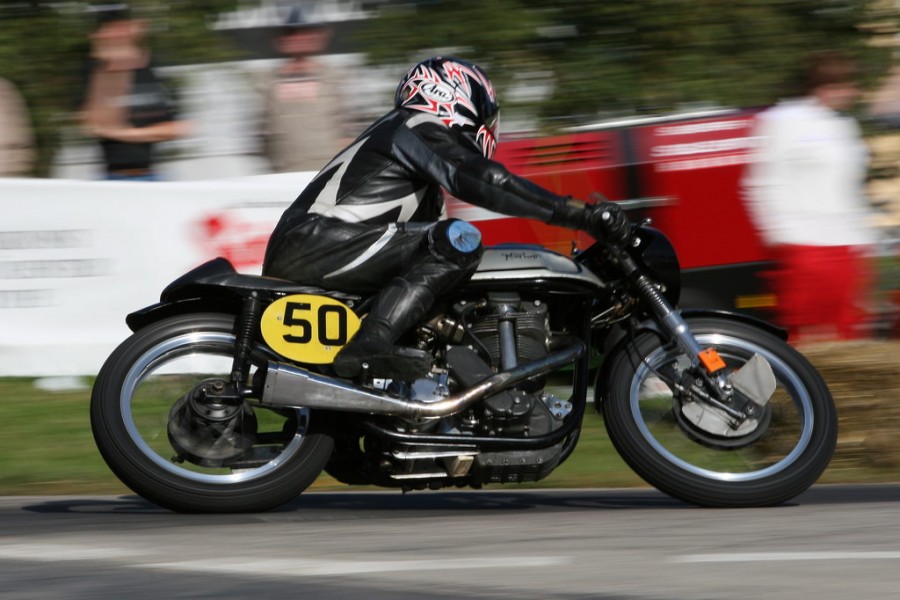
(374, 219)
(364, 217)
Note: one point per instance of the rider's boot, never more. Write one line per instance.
(398, 307)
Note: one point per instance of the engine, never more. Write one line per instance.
(513, 331)
(476, 340)
(504, 331)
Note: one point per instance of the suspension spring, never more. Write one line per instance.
(668, 317)
(244, 330)
(658, 303)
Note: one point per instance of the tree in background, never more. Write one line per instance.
(44, 46)
(603, 58)
(565, 62)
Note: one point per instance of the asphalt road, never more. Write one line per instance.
(832, 542)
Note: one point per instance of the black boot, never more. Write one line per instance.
(398, 307)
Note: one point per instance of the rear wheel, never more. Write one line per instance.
(169, 425)
(767, 461)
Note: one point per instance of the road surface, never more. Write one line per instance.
(832, 542)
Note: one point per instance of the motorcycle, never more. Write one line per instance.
(224, 400)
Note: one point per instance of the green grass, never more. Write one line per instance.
(46, 447)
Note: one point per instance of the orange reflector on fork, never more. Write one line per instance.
(711, 360)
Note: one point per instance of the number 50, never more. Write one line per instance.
(291, 319)
(308, 328)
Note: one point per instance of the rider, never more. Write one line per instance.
(374, 217)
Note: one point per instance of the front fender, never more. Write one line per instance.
(620, 337)
(690, 313)
(163, 310)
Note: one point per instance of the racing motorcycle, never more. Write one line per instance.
(224, 400)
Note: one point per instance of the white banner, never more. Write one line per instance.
(76, 257)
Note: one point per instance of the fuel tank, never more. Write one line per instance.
(524, 265)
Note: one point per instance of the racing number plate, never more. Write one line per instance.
(307, 328)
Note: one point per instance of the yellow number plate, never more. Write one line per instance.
(307, 328)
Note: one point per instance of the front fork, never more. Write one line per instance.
(706, 364)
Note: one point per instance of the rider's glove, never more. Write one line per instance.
(607, 221)
(604, 220)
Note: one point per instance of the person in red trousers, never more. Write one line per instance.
(805, 192)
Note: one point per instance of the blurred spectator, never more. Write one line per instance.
(16, 140)
(303, 115)
(805, 193)
(126, 106)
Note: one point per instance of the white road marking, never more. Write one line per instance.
(309, 568)
(785, 556)
(61, 552)
(294, 567)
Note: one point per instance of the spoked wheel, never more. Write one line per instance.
(170, 426)
(662, 433)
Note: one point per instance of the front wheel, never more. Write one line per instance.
(170, 427)
(769, 461)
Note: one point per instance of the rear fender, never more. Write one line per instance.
(163, 310)
(215, 286)
(619, 338)
(199, 290)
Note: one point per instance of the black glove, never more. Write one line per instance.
(607, 221)
(604, 220)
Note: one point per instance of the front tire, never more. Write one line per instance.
(270, 457)
(776, 463)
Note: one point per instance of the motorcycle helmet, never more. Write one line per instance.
(459, 94)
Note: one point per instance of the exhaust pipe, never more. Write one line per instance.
(293, 387)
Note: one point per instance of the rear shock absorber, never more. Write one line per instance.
(243, 342)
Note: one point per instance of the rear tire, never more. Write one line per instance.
(130, 409)
(786, 459)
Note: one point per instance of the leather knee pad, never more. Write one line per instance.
(455, 241)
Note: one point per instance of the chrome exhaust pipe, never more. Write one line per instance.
(289, 386)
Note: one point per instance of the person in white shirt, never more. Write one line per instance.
(804, 190)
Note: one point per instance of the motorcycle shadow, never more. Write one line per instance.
(360, 504)
(488, 500)
(388, 503)
(100, 504)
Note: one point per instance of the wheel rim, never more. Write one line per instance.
(172, 368)
(787, 438)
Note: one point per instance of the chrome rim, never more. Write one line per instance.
(786, 438)
(172, 368)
